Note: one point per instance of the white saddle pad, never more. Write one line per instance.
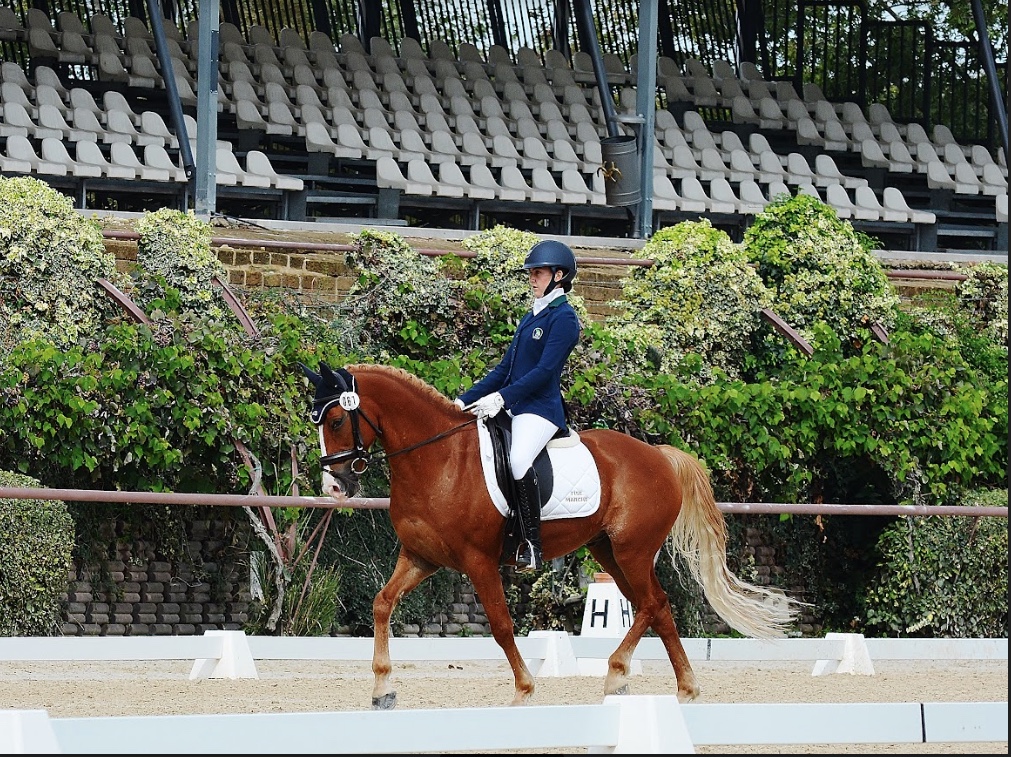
(576, 490)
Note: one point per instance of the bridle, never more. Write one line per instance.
(349, 399)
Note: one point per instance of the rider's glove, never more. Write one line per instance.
(488, 406)
(458, 402)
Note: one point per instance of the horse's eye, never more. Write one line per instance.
(336, 423)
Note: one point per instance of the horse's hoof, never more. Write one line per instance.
(688, 696)
(385, 702)
(622, 691)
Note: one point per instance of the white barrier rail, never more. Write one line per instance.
(621, 724)
(232, 654)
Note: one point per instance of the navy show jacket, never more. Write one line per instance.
(529, 376)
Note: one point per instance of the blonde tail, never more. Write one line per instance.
(700, 537)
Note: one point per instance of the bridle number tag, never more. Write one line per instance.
(350, 400)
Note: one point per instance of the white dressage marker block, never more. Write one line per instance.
(559, 660)
(855, 660)
(236, 660)
(648, 725)
(27, 732)
(606, 614)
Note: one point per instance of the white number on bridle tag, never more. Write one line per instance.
(350, 400)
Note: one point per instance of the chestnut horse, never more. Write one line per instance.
(444, 517)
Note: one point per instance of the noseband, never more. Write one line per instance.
(349, 399)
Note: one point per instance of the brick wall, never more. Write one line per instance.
(325, 274)
(134, 594)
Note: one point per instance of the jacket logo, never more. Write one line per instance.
(538, 333)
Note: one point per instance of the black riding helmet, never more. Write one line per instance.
(555, 255)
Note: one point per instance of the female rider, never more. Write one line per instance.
(527, 382)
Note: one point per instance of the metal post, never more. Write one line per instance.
(205, 199)
(168, 76)
(560, 28)
(986, 52)
(588, 37)
(645, 104)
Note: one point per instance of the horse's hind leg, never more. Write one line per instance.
(666, 629)
(619, 663)
(652, 609)
(410, 571)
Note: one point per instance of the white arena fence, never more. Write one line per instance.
(621, 724)
(233, 654)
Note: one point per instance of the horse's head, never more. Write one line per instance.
(344, 441)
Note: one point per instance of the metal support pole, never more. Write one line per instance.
(369, 23)
(986, 53)
(645, 105)
(171, 91)
(588, 37)
(205, 199)
(560, 28)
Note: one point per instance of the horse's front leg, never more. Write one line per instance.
(410, 571)
(488, 585)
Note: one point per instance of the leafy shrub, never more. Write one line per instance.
(36, 540)
(402, 304)
(699, 297)
(174, 251)
(310, 603)
(983, 297)
(50, 260)
(819, 270)
(499, 253)
(943, 576)
(155, 410)
(556, 593)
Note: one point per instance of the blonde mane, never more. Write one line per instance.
(399, 373)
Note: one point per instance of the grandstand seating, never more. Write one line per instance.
(345, 122)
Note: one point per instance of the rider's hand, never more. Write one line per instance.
(459, 403)
(488, 406)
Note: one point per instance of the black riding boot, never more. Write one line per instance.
(528, 506)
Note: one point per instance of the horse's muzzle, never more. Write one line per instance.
(339, 484)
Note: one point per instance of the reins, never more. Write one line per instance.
(437, 437)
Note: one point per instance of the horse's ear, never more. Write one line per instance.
(329, 375)
(310, 374)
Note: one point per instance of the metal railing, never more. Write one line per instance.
(383, 503)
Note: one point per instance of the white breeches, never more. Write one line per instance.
(530, 434)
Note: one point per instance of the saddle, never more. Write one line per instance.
(500, 430)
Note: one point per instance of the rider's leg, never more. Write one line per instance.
(528, 554)
(529, 435)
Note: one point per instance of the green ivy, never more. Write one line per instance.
(174, 251)
(983, 297)
(50, 259)
(820, 270)
(943, 576)
(699, 298)
(36, 540)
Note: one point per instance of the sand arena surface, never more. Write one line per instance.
(91, 689)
